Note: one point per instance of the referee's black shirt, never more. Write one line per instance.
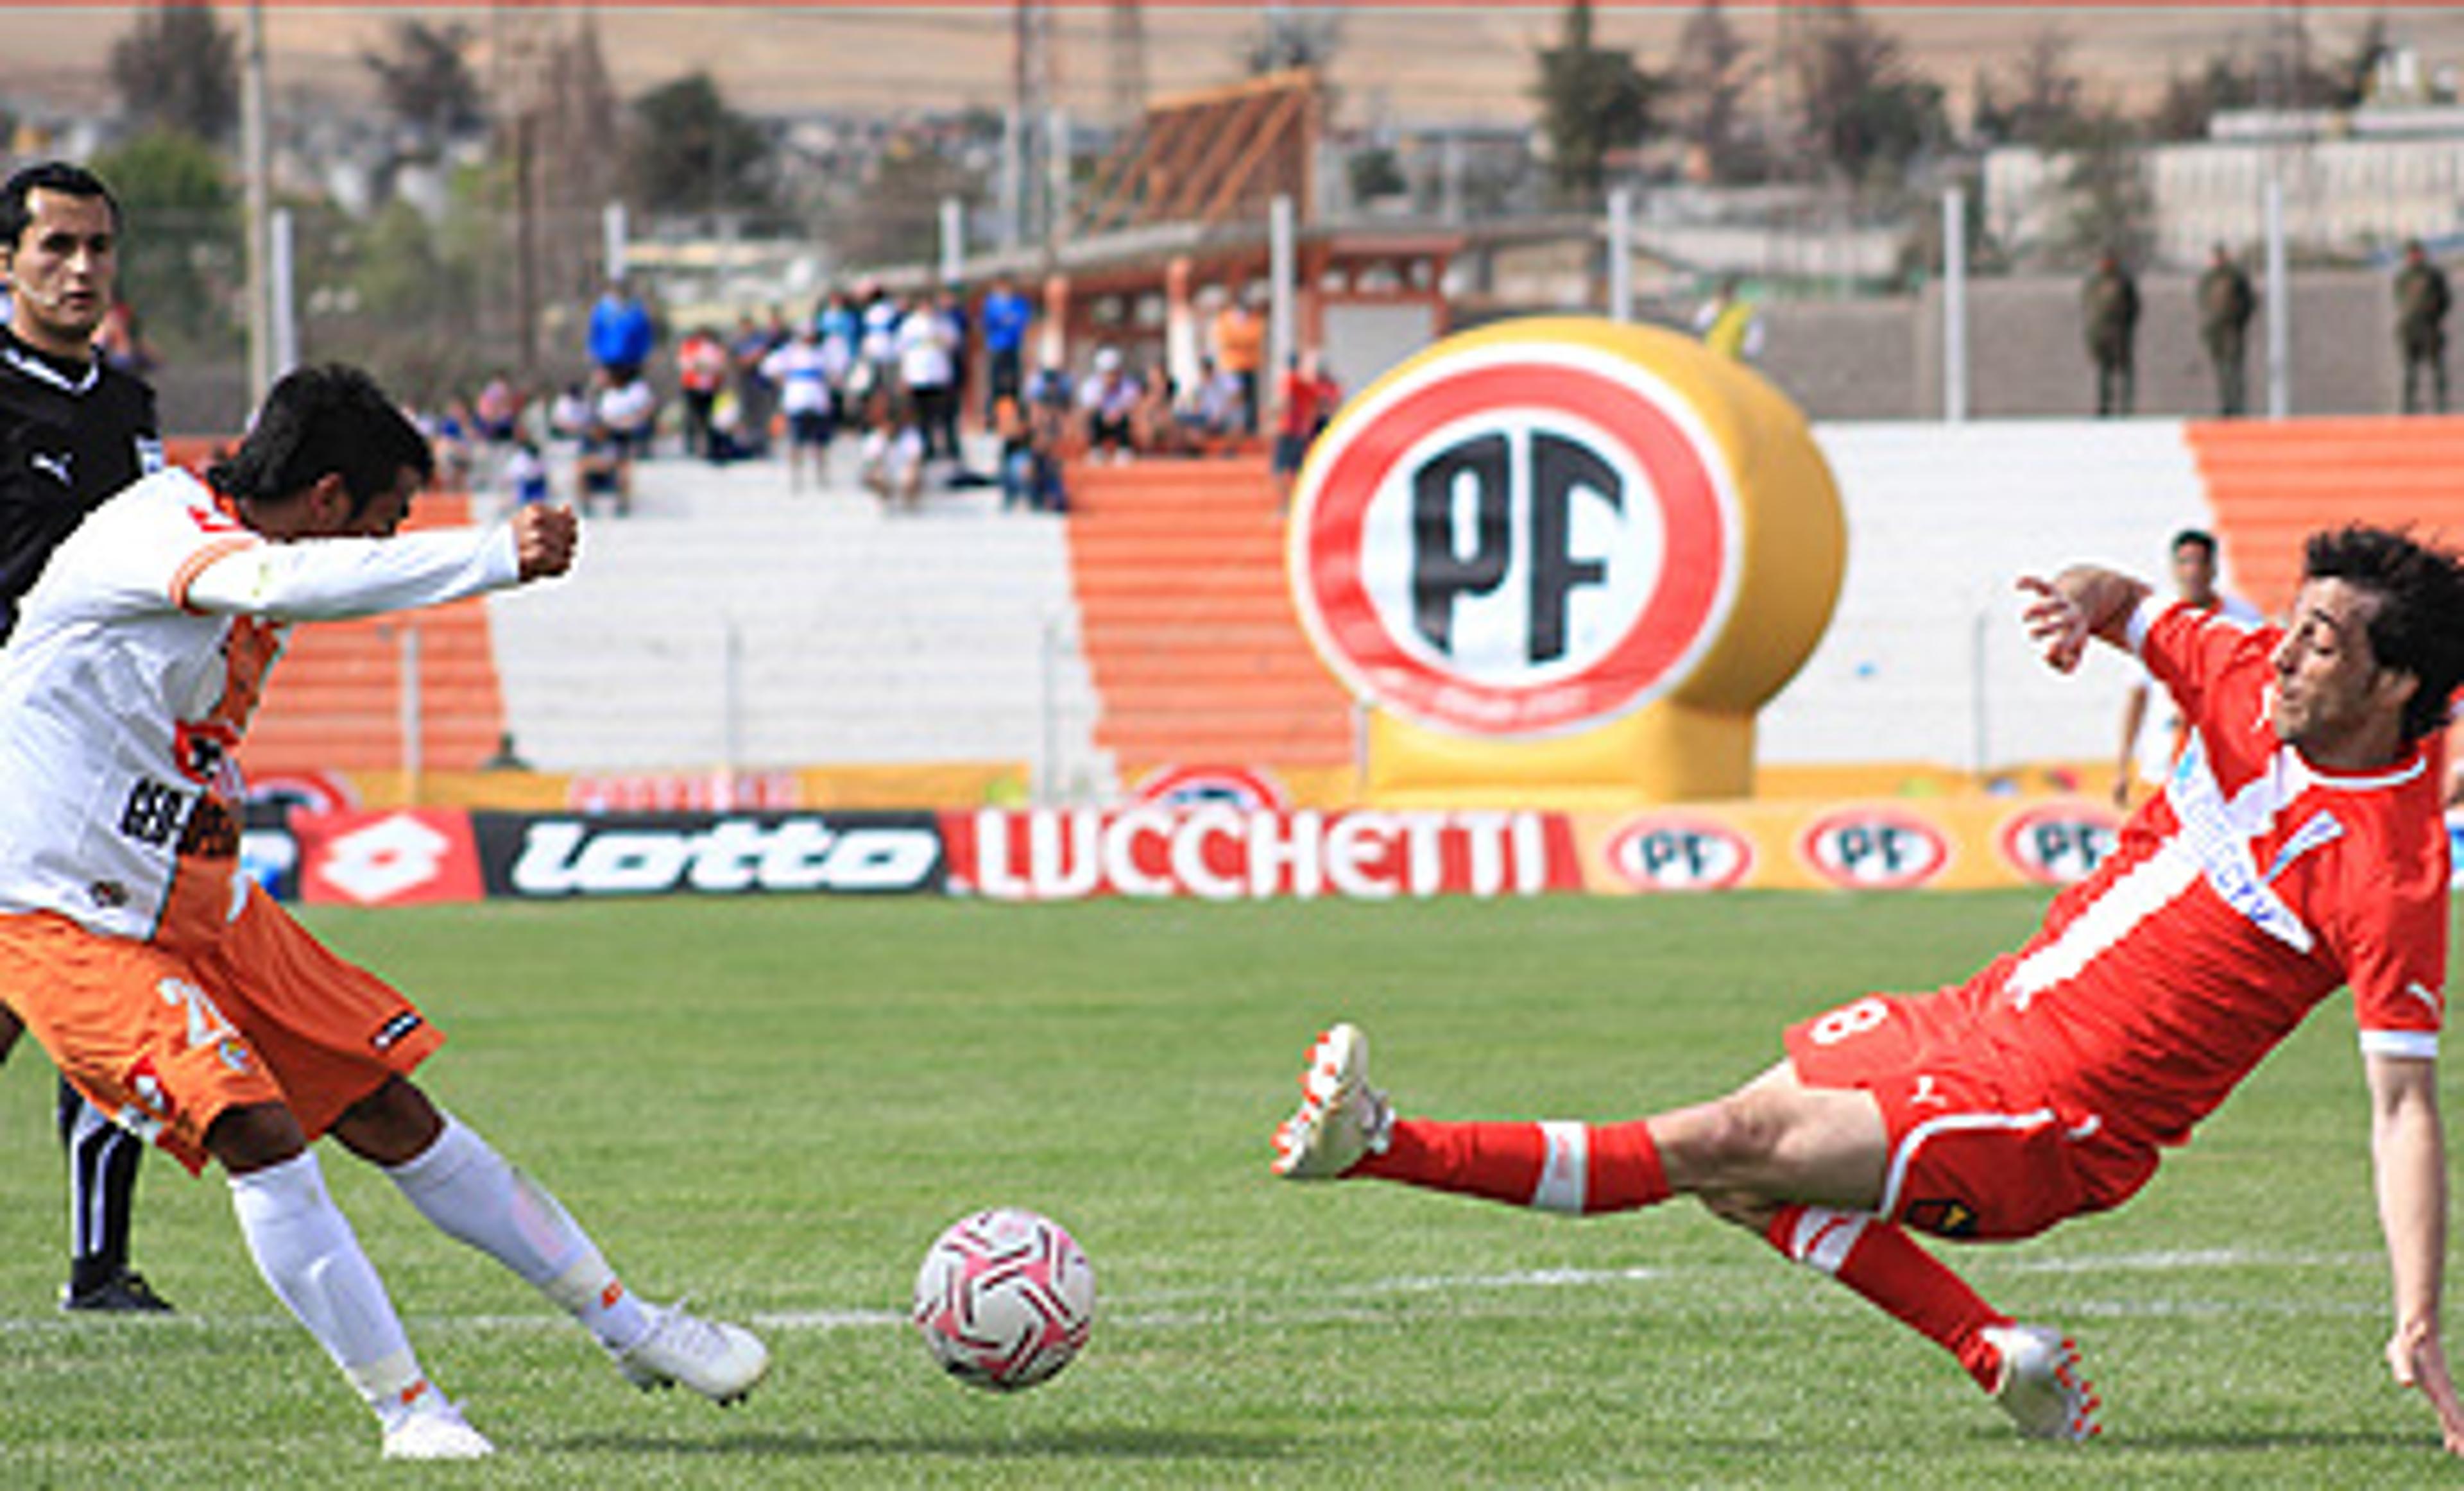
(72, 433)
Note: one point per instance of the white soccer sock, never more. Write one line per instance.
(467, 1190)
(305, 1248)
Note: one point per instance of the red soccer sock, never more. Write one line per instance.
(1881, 1262)
(1570, 1168)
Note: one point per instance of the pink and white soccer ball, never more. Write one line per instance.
(1005, 1299)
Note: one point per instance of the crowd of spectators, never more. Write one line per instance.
(886, 375)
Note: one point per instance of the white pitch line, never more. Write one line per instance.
(1158, 1309)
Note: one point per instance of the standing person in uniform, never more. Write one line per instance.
(1729, 323)
(2298, 846)
(2110, 306)
(2226, 306)
(74, 429)
(169, 987)
(2421, 327)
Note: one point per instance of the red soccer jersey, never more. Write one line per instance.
(2239, 897)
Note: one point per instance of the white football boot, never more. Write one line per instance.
(2041, 1387)
(432, 1428)
(720, 1361)
(1341, 1118)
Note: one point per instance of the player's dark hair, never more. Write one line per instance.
(2418, 626)
(17, 198)
(320, 421)
(2196, 538)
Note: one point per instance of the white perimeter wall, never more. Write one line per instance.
(1925, 660)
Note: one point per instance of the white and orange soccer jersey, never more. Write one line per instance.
(138, 660)
(2246, 892)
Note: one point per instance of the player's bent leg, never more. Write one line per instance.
(1780, 1140)
(470, 1192)
(309, 1256)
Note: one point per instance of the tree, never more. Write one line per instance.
(1592, 101)
(691, 153)
(2045, 91)
(1867, 110)
(426, 79)
(1287, 39)
(1708, 84)
(178, 69)
(181, 265)
(2189, 103)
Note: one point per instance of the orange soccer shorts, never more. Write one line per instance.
(163, 1041)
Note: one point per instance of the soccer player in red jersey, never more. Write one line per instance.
(2298, 845)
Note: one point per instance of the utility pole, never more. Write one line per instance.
(257, 154)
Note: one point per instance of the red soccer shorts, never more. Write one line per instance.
(1974, 1155)
(162, 1043)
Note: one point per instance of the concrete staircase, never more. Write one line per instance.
(1189, 627)
(944, 635)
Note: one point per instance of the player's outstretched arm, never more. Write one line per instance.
(2081, 602)
(342, 578)
(2409, 1148)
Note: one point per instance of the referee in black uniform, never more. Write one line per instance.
(73, 431)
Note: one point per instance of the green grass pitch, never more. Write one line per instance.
(776, 1105)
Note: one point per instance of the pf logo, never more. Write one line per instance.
(1666, 851)
(1874, 849)
(1521, 536)
(2058, 845)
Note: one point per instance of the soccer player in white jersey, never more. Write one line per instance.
(176, 994)
(2298, 845)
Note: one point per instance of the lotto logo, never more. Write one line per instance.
(386, 859)
(1672, 852)
(1515, 537)
(1874, 849)
(2058, 846)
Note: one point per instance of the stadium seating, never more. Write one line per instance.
(336, 700)
(947, 635)
(2272, 483)
(1190, 631)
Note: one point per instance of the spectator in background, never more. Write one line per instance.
(1729, 325)
(801, 373)
(893, 454)
(1005, 316)
(568, 414)
(1209, 408)
(1241, 350)
(630, 410)
(1306, 398)
(701, 372)
(622, 335)
(951, 307)
(1156, 425)
(1109, 400)
(499, 412)
(525, 474)
(2421, 327)
(927, 370)
(877, 348)
(840, 322)
(2226, 306)
(2110, 306)
(756, 397)
(1030, 474)
(604, 468)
